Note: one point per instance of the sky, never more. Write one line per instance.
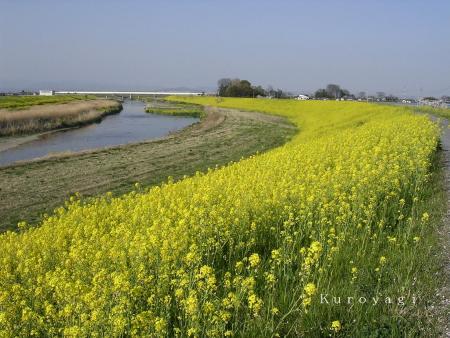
(401, 47)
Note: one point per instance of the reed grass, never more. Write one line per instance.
(54, 116)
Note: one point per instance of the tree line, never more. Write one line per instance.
(243, 88)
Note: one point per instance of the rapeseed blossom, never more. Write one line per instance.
(240, 249)
(335, 325)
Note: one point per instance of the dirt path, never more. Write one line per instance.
(27, 190)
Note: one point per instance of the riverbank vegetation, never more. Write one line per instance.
(21, 102)
(262, 247)
(173, 108)
(41, 117)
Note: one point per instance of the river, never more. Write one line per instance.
(131, 125)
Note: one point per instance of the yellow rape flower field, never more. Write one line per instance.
(259, 248)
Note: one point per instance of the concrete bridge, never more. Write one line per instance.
(129, 93)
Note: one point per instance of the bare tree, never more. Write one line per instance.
(222, 85)
(362, 95)
(334, 90)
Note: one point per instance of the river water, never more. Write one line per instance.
(132, 124)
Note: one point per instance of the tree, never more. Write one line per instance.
(392, 98)
(276, 93)
(222, 85)
(322, 94)
(381, 95)
(238, 88)
(362, 95)
(345, 92)
(258, 91)
(270, 91)
(334, 90)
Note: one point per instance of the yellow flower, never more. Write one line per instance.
(192, 332)
(160, 325)
(191, 304)
(270, 279)
(82, 269)
(315, 247)
(254, 260)
(391, 239)
(276, 256)
(254, 304)
(336, 325)
(306, 301)
(310, 289)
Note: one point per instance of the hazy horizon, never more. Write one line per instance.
(298, 46)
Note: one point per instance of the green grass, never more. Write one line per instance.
(162, 107)
(412, 272)
(442, 112)
(176, 112)
(22, 102)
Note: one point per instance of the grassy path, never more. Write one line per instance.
(444, 232)
(224, 135)
(442, 185)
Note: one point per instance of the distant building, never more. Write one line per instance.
(302, 97)
(46, 92)
(432, 101)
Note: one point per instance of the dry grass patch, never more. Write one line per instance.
(53, 116)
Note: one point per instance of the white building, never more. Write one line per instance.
(46, 92)
(302, 97)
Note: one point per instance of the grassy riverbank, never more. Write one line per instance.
(173, 108)
(220, 137)
(21, 102)
(49, 116)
